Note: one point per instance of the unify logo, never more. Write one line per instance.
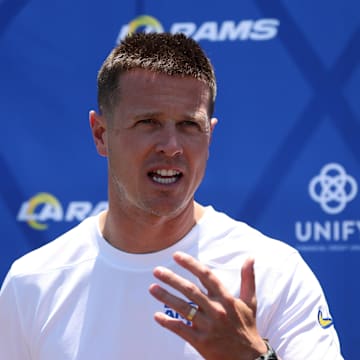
(228, 30)
(45, 207)
(333, 188)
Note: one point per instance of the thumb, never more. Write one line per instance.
(247, 289)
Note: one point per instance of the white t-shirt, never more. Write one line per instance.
(80, 298)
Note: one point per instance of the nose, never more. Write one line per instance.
(169, 142)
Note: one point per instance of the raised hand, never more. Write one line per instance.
(222, 327)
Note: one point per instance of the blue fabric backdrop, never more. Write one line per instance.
(285, 155)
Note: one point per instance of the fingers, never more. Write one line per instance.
(177, 326)
(184, 286)
(207, 303)
(218, 312)
(202, 272)
(248, 289)
(181, 306)
(216, 290)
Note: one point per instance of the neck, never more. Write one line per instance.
(139, 234)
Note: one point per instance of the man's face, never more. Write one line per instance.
(156, 141)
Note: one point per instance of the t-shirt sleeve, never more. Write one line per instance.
(301, 326)
(12, 341)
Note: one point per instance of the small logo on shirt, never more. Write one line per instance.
(175, 315)
(324, 319)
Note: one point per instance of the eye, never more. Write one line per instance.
(147, 122)
(190, 124)
(193, 126)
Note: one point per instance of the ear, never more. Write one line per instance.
(213, 122)
(98, 130)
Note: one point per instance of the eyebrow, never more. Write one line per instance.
(153, 114)
(147, 115)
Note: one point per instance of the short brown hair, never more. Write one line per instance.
(171, 54)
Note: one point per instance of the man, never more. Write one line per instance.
(217, 288)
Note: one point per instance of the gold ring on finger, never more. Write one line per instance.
(190, 316)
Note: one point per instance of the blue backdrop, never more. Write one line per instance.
(285, 155)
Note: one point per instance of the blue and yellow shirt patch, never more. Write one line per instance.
(324, 318)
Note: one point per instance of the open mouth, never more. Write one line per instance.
(163, 176)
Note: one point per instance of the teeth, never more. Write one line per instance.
(163, 176)
(164, 172)
(168, 180)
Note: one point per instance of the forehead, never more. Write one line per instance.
(147, 88)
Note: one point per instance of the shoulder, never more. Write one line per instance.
(219, 233)
(71, 248)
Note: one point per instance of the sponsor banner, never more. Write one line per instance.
(332, 189)
(44, 208)
(261, 29)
